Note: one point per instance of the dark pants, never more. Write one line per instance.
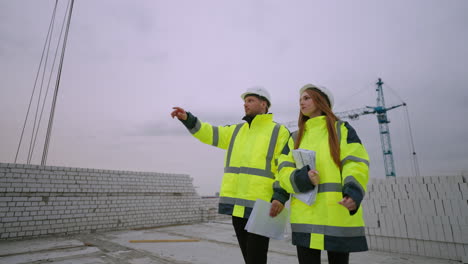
(254, 247)
(312, 256)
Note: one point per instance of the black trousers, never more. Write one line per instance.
(312, 256)
(254, 247)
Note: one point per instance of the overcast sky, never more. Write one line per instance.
(128, 62)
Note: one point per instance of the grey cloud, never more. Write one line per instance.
(152, 129)
(174, 127)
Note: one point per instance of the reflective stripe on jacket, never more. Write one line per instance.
(250, 162)
(327, 225)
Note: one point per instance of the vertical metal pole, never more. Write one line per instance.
(57, 85)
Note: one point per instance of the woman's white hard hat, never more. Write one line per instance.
(323, 89)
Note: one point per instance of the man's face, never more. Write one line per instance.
(254, 106)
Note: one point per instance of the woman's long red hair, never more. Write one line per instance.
(321, 103)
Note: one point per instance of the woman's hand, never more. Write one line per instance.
(314, 177)
(349, 203)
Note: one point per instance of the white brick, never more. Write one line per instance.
(410, 207)
(432, 191)
(370, 242)
(452, 250)
(388, 188)
(396, 191)
(406, 246)
(464, 207)
(418, 227)
(386, 243)
(369, 206)
(448, 233)
(423, 227)
(403, 206)
(378, 230)
(464, 259)
(432, 229)
(427, 248)
(409, 226)
(378, 243)
(463, 221)
(453, 220)
(421, 248)
(464, 234)
(425, 193)
(403, 192)
(440, 232)
(393, 244)
(441, 191)
(396, 206)
(460, 251)
(456, 207)
(431, 207)
(389, 225)
(418, 188)
(402, 226)
(457, 233)
(465, 246)
(444, 251)
(439, 207)
(435, 248)
(417, 206)
(393, 220)
(374, 221)
(463, 189)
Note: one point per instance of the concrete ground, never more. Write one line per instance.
(216, 244)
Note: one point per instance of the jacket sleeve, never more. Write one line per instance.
(280, 193)
(291, 179)
(218, 136)
(354, 163)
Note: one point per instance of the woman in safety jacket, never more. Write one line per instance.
(334, 222)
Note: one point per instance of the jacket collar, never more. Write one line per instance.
(258, 118)
(316, 122)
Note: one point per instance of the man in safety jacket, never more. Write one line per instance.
(253, 148)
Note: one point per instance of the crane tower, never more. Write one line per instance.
(381, 111)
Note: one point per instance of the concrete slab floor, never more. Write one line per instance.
(216, 244)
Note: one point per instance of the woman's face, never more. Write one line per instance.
(307, 105)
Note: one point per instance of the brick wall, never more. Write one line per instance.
(46, 200)
(425, 216)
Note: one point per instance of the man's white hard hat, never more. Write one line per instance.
(258, 90)
(322, 89)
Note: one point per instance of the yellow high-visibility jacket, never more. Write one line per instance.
(250, 162)
(327, 225)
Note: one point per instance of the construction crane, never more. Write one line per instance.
(381, 111)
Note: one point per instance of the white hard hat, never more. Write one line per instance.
(260, 91)
(322, 89)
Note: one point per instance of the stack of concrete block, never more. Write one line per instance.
(46, 200)
(211, 210)
(425, 216)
